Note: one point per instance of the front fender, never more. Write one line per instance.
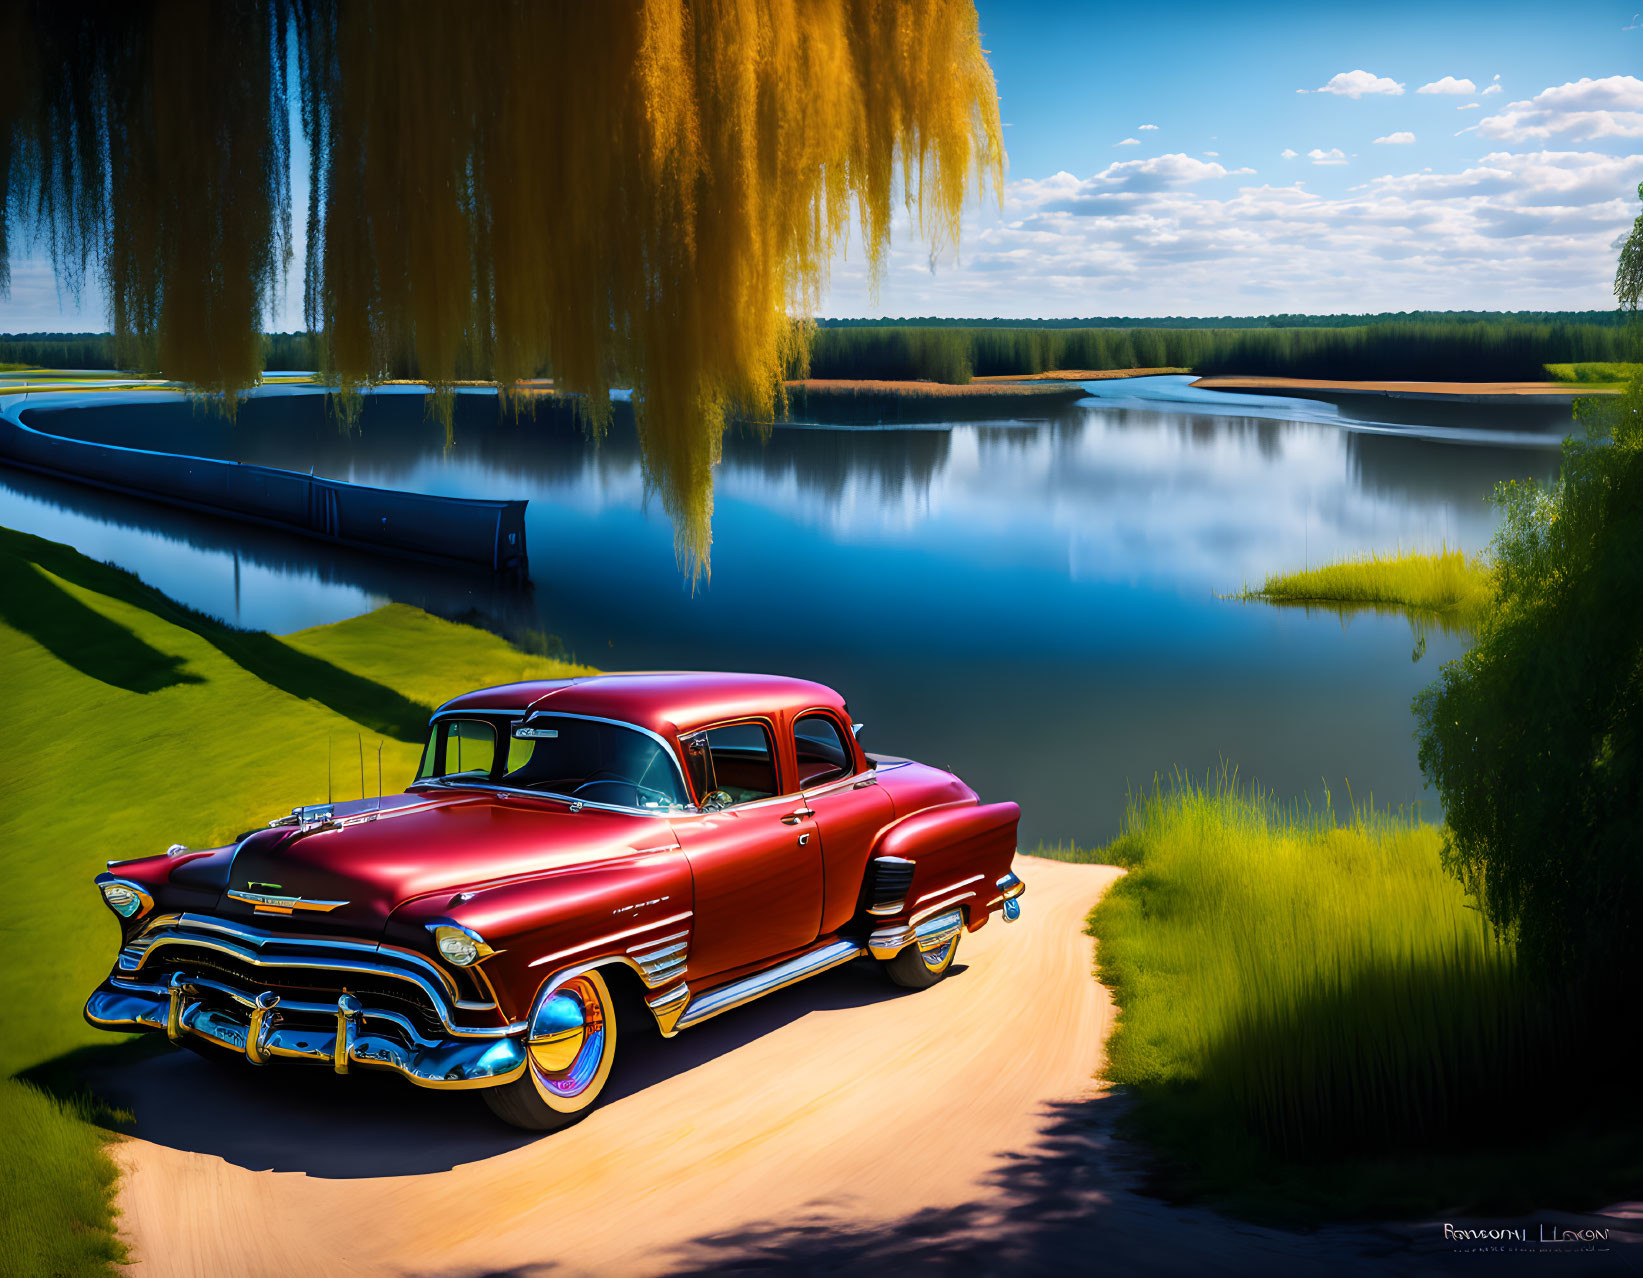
(612, 911)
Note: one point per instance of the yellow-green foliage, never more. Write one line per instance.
(635, 192)
(1592, 373)
(1447, 585)
(1304, 985)
(131, 725)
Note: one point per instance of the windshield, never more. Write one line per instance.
(583, 759)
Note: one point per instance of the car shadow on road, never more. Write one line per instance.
(292, 1117)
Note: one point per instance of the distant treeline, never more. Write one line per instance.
(282, 352)
(1458, 349)
(1608, 318)
(1450, 350)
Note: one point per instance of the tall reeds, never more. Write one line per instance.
(1309, 981)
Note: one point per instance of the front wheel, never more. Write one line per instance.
(570, 1046)
(918, 968)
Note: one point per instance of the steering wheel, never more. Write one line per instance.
(713, 800)
(607, 777)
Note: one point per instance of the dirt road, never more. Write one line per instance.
(841, 1125)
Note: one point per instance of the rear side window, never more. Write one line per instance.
(737, 759)
(822, 752)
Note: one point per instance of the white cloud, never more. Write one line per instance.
(1148, 127)
(1467, 106)
(1493, 88)
(1449, 85)
(1167, 236)
(1332, 156)
(1129, 142)
(1395, 139)
(1355, 84)
(1213, 154)
(1288, 153)
(1584, 110)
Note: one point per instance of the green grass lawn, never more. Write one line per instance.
(1445, 586)
(1315, 1022)
(134, 724)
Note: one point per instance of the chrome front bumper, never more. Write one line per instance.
(257, 1027)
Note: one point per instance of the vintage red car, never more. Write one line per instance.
(573, 856)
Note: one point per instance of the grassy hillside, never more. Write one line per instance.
(133, 724)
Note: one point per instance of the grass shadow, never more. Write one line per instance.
(82, 637)
(364, 701)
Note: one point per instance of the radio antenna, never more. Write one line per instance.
(359, 738)
(379, 775)
(330, 750)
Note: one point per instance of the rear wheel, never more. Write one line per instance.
(918, 968)
(570, 1046)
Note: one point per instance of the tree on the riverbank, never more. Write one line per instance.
(636, 193)
(1535, 736)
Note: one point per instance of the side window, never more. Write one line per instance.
(738, 759)
(823, 754)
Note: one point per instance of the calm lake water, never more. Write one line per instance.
(1033, 603)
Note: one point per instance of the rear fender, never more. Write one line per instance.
(958, 854)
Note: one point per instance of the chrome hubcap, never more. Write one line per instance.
(567, 1038)
(938, 955)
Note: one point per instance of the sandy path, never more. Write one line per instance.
(839, 1096)
(840, 1126)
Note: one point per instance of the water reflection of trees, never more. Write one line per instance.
(544, 444)
(1202, 430)
(827, 462)
(1424, 472)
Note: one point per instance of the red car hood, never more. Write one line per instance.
(419, 844)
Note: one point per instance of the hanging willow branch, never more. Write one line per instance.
(635, 194)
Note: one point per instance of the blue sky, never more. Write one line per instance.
(1513, 203)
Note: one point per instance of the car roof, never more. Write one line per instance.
(663, 701)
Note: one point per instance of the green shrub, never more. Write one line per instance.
(1535, 736)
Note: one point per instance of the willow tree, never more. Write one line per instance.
(641, 193)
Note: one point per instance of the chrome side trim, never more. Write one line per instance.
(920, 915)
(660, 966)
(613, 937)
(772, 978)
(951, 887)
(666, 1008)
(888, 942)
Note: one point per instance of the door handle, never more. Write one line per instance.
(793, 818)
(864, 782)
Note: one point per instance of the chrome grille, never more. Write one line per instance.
(302, 984)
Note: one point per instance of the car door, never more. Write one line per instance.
(847, 804)
(756, 862)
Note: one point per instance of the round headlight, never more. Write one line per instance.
(458, 949)
(121, 899)
(459, 946)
